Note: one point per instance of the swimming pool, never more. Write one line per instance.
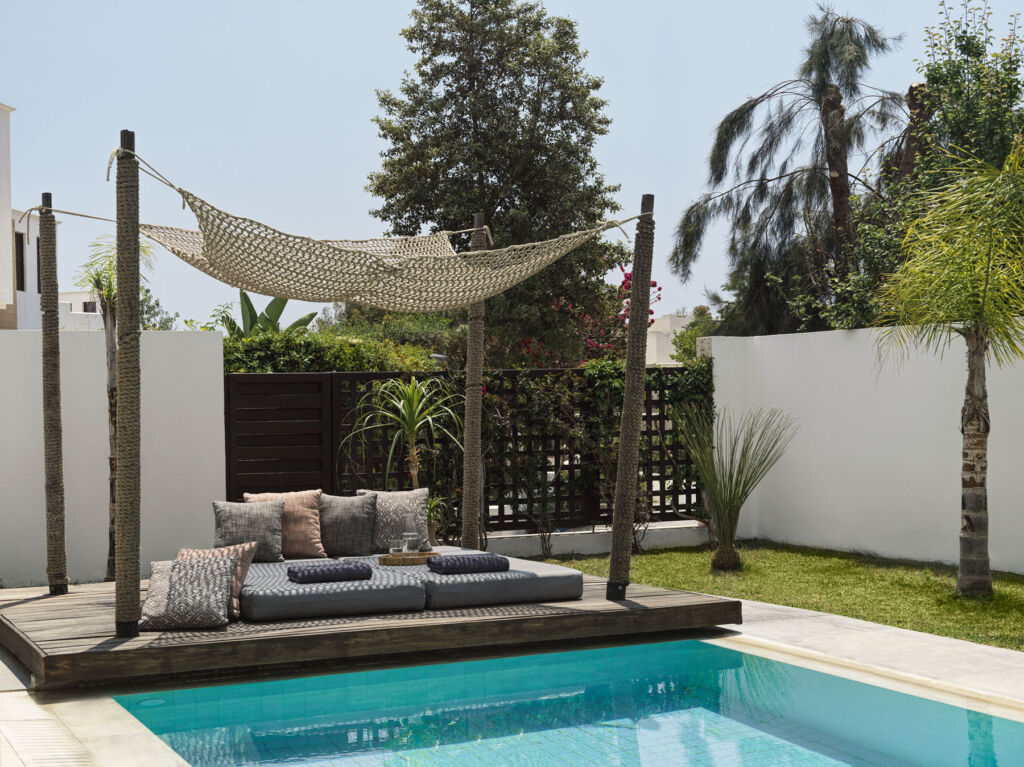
(678, 704)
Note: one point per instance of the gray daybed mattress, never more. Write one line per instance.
(525, 581)
(268, 595)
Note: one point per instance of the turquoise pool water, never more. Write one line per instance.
(671, 704)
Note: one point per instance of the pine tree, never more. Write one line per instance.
(500, 116)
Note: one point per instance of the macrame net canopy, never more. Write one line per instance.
(406, 274)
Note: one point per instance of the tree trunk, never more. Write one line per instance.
(913, 145)
(53, 433)
(110, 338)
(414, 464)
(974, 578)
(833, 121)
(624, 507)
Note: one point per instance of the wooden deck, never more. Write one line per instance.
(69, 640)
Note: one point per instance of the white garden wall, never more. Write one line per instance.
(875, 466)
(182, 449)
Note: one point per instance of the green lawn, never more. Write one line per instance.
(910, 595)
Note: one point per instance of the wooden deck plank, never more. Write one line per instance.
(69, 640)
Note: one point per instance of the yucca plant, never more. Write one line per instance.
(731, 453)
(413, 413)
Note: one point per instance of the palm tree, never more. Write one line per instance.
(731, 455)
(99, 275)
(775, 192)
(963, 277)
(267, 321)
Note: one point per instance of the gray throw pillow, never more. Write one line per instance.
(188, 594)
(392, 510)
(346, 524)
(259, 521)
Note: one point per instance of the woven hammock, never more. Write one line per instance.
(406, 274)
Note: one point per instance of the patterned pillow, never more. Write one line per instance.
(244, 522)
(188, 594)
(244, 552)
(300, 526)
(346, 524)
(392, 510)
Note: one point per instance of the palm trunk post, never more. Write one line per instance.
(472, 484)
(974, 578)
(624, 507)
(127, 604)
(53, 434)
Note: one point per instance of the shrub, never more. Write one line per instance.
(320, 353)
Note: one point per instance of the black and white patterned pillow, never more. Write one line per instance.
(393, 509)
(188, 594)
(346, 524)
(258, 521)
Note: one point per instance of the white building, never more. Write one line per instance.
(19, 262)
(659, 338)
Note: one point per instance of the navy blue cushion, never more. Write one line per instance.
(330, 571)
(468, 563)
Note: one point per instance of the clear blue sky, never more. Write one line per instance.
(264, 108)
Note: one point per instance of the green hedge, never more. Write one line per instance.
(320, 353)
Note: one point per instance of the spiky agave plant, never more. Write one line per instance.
(732, 453)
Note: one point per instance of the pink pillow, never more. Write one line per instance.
(300, 524)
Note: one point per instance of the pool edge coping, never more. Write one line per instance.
(991, 703)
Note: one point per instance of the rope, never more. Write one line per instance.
(40, 208)
(625, 502)
(53, 439)
(127, 606)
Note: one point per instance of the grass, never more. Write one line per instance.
(910, 595)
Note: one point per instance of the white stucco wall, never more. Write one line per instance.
(182, 449)
(875, 466)
(6, 240)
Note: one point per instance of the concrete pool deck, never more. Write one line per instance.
(89, 729)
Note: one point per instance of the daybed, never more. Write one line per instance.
(269, 595)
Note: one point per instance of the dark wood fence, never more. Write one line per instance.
(285, 431)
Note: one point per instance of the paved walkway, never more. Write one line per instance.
(93, 731)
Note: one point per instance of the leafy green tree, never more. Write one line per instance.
(267, 321)
(970, 103)
(685, 341)
(500, 116)
(152, 314)
(779, 174)
(973, 88)
(963, 277)
(439, 333)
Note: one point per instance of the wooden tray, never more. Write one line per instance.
(406, 558)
